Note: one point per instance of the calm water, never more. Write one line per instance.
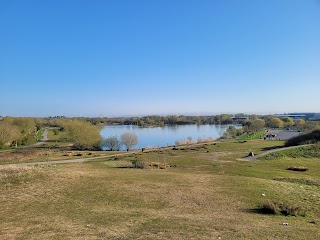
(165, 136)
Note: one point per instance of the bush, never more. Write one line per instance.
(137, 164)
(56, 131)
(269, 207)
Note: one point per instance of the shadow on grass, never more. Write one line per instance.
(272, 148)
(259, 210)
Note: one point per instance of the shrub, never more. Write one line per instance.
(56, 131)
(269, 207)
(137, 164)
(187, 141)
(205, 140)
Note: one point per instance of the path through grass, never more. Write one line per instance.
(209, 194)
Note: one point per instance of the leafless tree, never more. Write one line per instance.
(129, 139)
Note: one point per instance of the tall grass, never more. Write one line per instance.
(281, 208)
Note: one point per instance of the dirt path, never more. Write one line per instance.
(43, 139)
(81, 160)
(76, 160)
(252, 158)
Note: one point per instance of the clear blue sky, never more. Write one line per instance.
(117, 57)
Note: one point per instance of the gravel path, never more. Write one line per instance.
(43, 139)
(251, 158)
(76, 160)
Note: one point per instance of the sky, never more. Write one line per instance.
(107, 58)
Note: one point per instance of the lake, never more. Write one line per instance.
(167, 135)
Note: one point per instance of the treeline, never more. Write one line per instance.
(248, 121)
(257, 124)
(156, 120)
(18, 131)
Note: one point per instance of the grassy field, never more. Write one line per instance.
(195, 192)
(47, 154)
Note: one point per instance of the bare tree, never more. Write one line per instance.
(112, 143)
(129, 139)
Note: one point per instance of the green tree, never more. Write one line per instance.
(82, 134)
(27, 126)
(275, 123)
(9, 134)
(254, 116)
(28, 129)
(112, 143)
(288, 121)
(256, 125)
(226, 119)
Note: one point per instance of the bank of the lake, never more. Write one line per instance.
(166, 135)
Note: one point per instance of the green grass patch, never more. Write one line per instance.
(299, 181)
(252, 135)
(312, 151)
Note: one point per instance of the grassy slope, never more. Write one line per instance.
(253, 135)
(207, 196)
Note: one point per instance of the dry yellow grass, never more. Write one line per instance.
(199, 199)
(38, 155)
